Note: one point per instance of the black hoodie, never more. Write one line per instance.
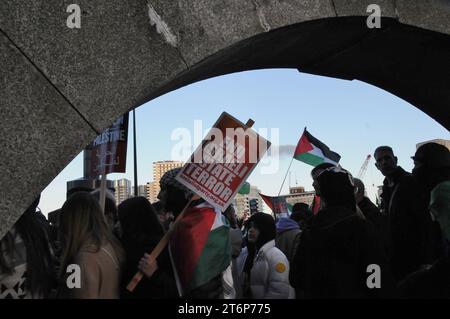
(333, 256)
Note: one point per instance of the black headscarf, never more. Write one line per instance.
(140, 223)
(267, 232)
(435, 166)
(337, 188)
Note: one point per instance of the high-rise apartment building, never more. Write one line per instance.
(123, 190)
(241, 205)
(142, 191)
(150, 192)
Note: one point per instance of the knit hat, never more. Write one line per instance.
(168, 179)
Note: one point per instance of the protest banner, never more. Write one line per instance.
(107, 153)
(217, 170)
(223, 161)
(277, 204)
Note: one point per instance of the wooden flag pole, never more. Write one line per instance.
(161, 245)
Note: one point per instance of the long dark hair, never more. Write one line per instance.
(141, 232)
(140, 223)
(40, 263)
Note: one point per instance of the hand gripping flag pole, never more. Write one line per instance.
(161, 245)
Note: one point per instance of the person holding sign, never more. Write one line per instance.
(199, 245)
(199, 238)
(141, 233)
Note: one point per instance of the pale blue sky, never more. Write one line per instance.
(351, 117)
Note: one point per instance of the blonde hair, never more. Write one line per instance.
(81, 223)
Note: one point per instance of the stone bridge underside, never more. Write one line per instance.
(59, 87)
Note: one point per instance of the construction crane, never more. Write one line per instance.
(363, 168)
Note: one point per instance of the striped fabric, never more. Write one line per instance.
(12, 285)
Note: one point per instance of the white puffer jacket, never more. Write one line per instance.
(269, 277)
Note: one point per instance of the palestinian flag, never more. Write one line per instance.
(313, 152)
(199, 247)
(277, 204)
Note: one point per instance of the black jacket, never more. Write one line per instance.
(378, 220)
(333, 255)
(161, 285)
(431, 283)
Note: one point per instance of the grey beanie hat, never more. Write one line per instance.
(168, 179)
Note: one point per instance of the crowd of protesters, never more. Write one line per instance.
(350, 248)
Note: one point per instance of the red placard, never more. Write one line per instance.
(223, 161)
(108, 152)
